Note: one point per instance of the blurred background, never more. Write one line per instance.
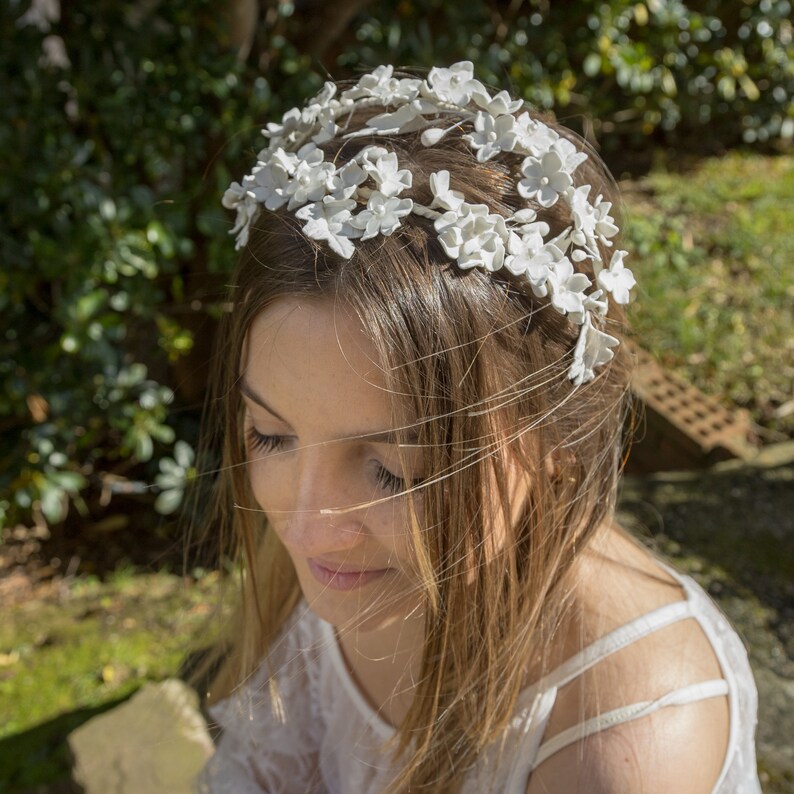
(121, 124)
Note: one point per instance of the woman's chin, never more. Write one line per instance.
(366, 608)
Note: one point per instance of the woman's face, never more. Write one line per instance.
(323, 462)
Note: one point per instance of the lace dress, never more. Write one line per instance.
(332, 741)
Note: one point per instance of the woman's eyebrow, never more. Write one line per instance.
(245, 388)
(378, 437)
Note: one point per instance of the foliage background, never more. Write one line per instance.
(122, 122)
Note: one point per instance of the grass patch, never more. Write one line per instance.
(67, 657)
(712, 251)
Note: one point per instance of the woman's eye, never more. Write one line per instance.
(262, 443)
(388, 481)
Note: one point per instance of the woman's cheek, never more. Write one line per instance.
(264, 484)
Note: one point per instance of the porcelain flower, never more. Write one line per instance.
(592, 222)
(530, 136)
(617, 279)
(442, 196)
(382, 215)
(490, 136)
(326, 220)
(498, 105)
(386, 174)
(567, 289)
(267, 184)
(524, 249)
(310, 179)
(454, 85)
(593, 349)
(382, 86)
(473, 236)
(545, 178)
(236, 198)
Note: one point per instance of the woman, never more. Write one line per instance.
(421, 392)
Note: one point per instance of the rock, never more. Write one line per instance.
(155, 742)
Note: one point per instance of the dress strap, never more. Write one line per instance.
(615, 640)
(678, 697)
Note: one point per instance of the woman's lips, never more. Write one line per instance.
(337, 578)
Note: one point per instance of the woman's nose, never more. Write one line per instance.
(324, 518)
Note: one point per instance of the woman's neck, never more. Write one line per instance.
(385, 663)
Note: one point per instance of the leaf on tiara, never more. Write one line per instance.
(432, 136)
(406, 118)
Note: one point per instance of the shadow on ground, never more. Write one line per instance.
(31, 760)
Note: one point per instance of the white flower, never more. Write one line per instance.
(454, 85)
(592, 350)
(236, 198)
(345, 181)
(617, 279)
(380, 85)
(544, 178)
(325, 220)
(531, 136)
(267, 184)
(290, 122)
(442, 196)
(595, 303)
(592, 222)
(174, 475)
(384, 171)
(326, 125)
(571, 157)
(567, 289)
(473, 236)
(490, 136)
(234, 194)
(382, 215)
(498, 105)
(311, 179)
(525, 248)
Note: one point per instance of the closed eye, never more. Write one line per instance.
(391, 482)
(261, 443)
(388, 481)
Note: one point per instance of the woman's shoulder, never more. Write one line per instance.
(645, 648)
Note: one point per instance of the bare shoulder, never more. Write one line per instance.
(675, 748)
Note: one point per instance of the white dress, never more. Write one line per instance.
(332, 741)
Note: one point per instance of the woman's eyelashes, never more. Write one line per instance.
(265, 444)
(388, 481)
(259, 442)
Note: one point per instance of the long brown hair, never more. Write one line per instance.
(479, 365)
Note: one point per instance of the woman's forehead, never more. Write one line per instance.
(313, 358)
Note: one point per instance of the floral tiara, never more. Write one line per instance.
(360, 199)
